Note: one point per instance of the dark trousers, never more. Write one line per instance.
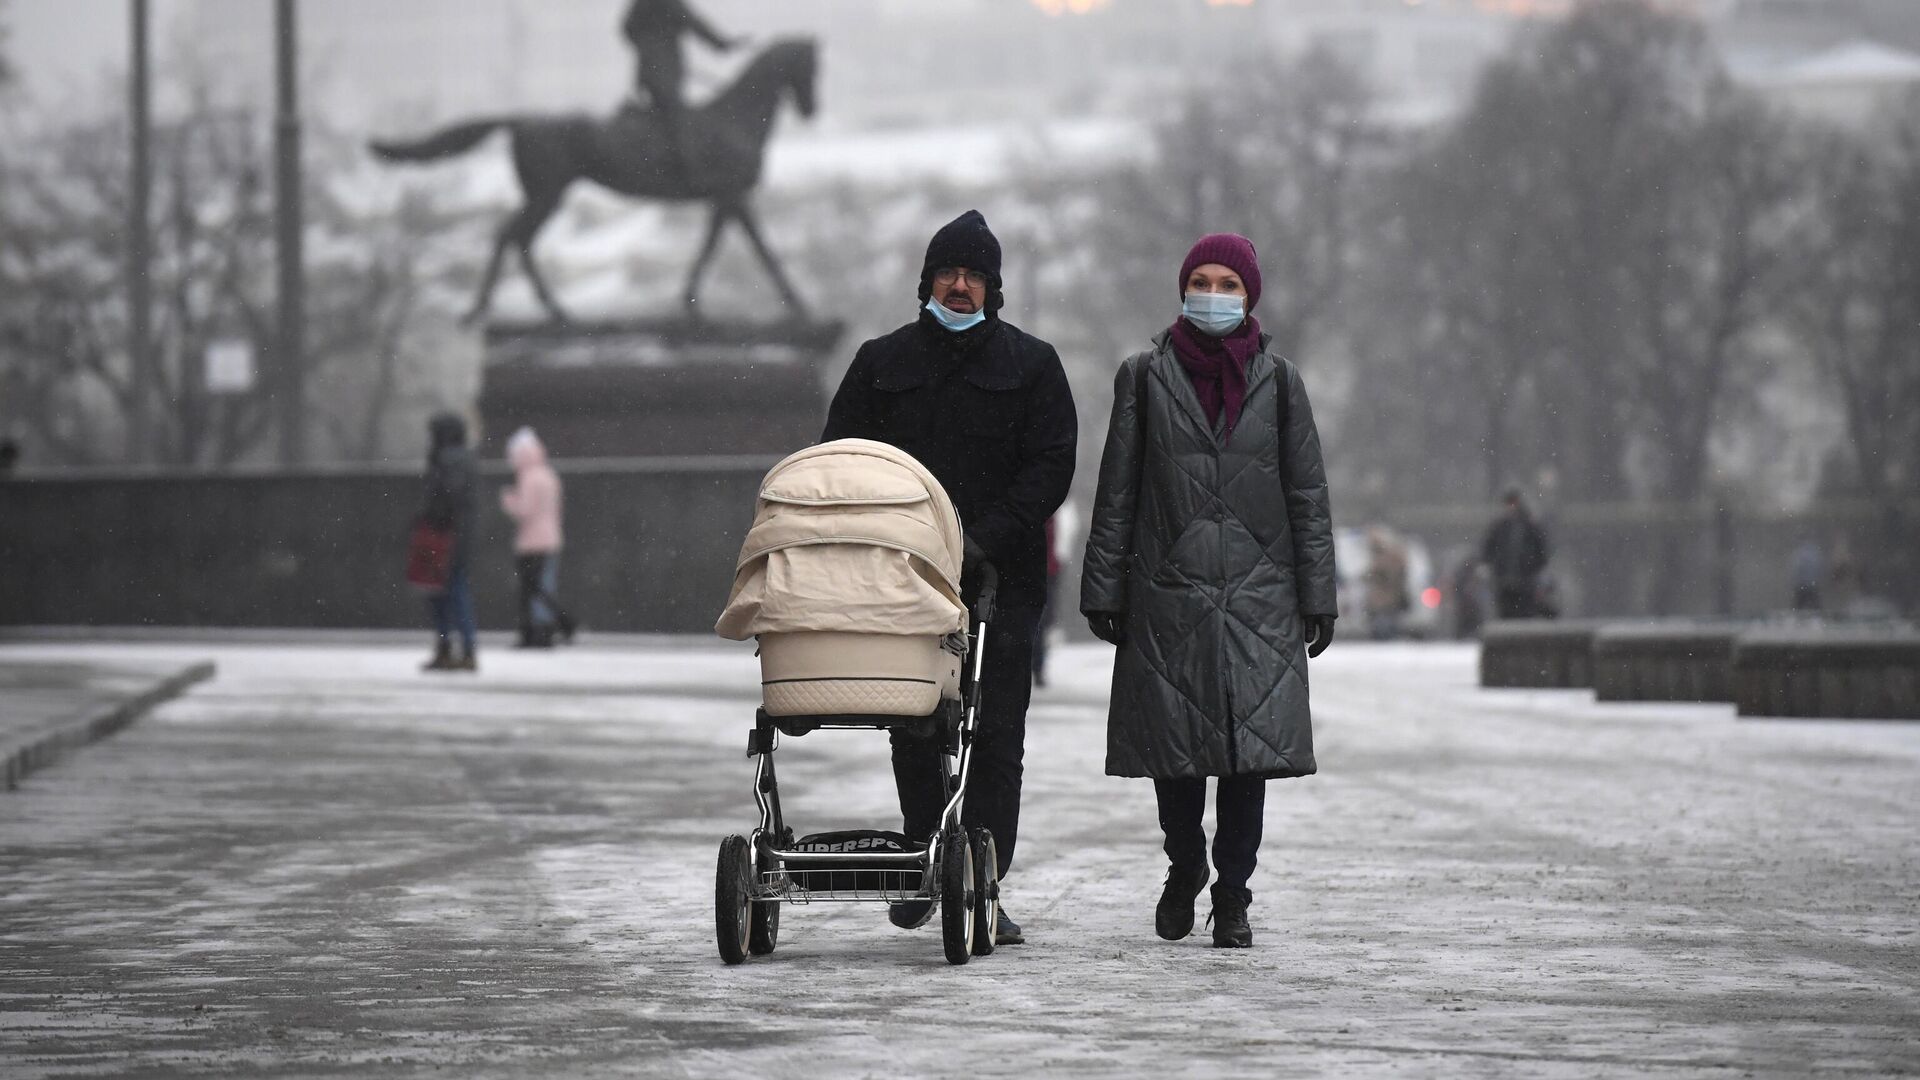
(999, 744)
(540, 610)
(1040, 630)
(1239, 809)
(453, 609)
(1515, 601)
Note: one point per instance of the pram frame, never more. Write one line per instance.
(770, 847)
(958, 738)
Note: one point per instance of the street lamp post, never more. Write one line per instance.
(139, 260)
(290, 347)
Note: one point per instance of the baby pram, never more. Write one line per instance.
(850, 581)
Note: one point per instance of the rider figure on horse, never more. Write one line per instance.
(655, 27)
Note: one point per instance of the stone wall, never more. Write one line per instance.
(650, 546)
(651, 543)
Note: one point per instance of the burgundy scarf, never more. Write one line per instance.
(1218, 366)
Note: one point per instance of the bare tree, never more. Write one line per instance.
(1279, 165)
(1457, 328)
(63, 318)
(1708, 271)
(6, 67)
(1854, 310)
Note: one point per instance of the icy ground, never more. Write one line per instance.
(323, 862)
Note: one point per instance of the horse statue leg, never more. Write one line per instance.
(717, 214)
(483, 298)
(531, 219)
(518, 231)
(751, 227)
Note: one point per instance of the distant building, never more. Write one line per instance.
(1848, 84)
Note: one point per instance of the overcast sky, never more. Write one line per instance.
(56, 43)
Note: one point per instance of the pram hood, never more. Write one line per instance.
(849, 536)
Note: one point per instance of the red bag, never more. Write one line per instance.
(429, 556)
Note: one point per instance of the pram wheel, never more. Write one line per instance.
(765, 933)
(986, 900)
(733, 899)
(956, 895)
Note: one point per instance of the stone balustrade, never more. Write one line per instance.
(1792, 670)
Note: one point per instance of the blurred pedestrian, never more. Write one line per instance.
(1045, 626)
(986, 408)
(1386, 599)
(533, 501)
(9, 456)
(1843, 578)
(1809, 570)
(1210, 564)
(450, 508)
(1467, 587)
(1515, 551)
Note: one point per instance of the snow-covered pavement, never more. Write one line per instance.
(324, 862)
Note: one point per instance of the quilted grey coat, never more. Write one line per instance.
(1213, 553)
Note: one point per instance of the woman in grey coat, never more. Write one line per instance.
(1210, 564)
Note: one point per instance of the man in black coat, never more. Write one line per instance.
(1516, 551)
(986, 408)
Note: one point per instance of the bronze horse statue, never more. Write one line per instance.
(628, 154)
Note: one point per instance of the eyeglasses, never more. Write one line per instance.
(950, 274)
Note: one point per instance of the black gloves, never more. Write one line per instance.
(1319, 630)
(972, 556)
(1108, 626)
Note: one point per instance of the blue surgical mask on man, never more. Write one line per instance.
(954, 320)
(1214, 313)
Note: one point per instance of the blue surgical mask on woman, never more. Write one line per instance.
(1214, 313)
(954, 320)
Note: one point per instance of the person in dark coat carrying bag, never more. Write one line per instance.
(1209, 563)
(986, 408)
(450, 509)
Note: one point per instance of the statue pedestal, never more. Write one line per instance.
(656, 387)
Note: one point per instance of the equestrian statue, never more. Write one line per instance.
(669, 151)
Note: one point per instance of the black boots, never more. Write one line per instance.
(913, 914)
(445, 660)
(1005, 930)
(543, 637)
(1229, 918)
(1173, 916)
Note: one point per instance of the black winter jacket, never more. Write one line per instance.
(1213, 553)
(450, 479)
(1516, 548)
(989, 413)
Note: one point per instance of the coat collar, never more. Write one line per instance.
(1260, 370)
(926, 351)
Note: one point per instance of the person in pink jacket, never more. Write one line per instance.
(533, 502)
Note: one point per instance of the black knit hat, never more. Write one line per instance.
(964, 241)
(447, 429)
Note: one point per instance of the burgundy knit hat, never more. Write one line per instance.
(1231, 250)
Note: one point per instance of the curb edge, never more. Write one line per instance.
(47, 747)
